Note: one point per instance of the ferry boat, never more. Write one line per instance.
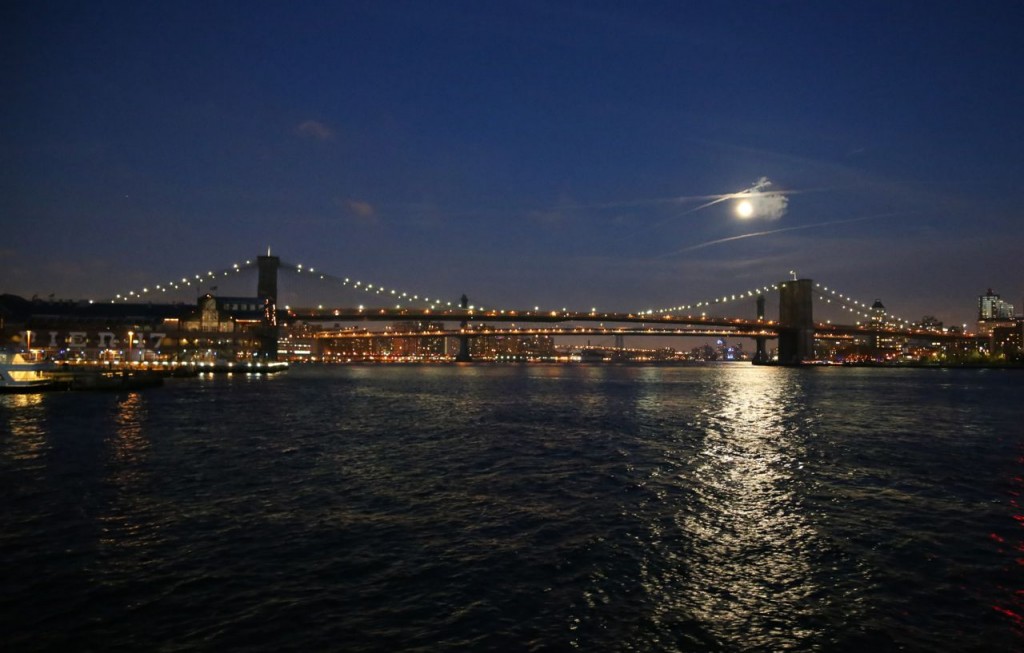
(588, 356)
(25, 372)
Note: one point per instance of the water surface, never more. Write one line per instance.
(431, 508)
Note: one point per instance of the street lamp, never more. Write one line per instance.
(130, 334)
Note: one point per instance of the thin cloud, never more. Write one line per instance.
(765, 203)
(315, 130)
(560, 213)
(361, 209)
(816, 225)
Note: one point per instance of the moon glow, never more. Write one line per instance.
(744, 209)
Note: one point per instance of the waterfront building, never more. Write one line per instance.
(511, 347)
(883, 347)
(877, 321)
(219, 328)
(878, 313)
(351, 344)
(992, 307)
(1008, 341)
(83, 331)
(993, 313)
(415, 348)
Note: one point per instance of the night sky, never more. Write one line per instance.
(525, 153)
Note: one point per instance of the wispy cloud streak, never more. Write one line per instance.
(816, 225)
(315, 130)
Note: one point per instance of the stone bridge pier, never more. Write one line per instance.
(796, 321)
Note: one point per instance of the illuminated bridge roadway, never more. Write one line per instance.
(476, 322)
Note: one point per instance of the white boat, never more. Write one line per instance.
(24, 372)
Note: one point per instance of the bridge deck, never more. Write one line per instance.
(664, 325)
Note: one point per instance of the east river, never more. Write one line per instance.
(519, 508)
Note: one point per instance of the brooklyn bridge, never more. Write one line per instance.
(254, 325)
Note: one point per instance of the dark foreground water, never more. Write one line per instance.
(478, 508)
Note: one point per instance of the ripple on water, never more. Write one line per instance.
(531, 507)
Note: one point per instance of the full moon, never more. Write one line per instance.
(745, 209)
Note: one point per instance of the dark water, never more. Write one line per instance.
(519, 508)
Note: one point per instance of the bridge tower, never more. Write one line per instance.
(266, 291)
(464, 356)
(761, 355)
(266, 284)
(796, 321)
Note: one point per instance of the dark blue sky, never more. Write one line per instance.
(524, 153)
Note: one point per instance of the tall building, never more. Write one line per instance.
(878, 313)
(991, 307)
(878, 321)
(993, 313)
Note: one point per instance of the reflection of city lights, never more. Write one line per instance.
(25, 400)
(129, 441)
(22, 417)
(747, 472)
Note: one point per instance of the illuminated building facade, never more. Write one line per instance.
(512, 347)
(1008, 341)
(80, 331)
(417, 348)
(993, 313)
(992, 307)
(884, 347)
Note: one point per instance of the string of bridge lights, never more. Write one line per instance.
(703, 305)
(402, 296)
(375, 289)
(859, 308)
(174, 284)
(824, 293)
(204, 278)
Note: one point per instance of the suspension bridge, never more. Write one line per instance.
(794, 328)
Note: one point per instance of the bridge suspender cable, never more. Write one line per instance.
(400, 297)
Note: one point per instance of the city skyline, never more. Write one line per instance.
(527, 154)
